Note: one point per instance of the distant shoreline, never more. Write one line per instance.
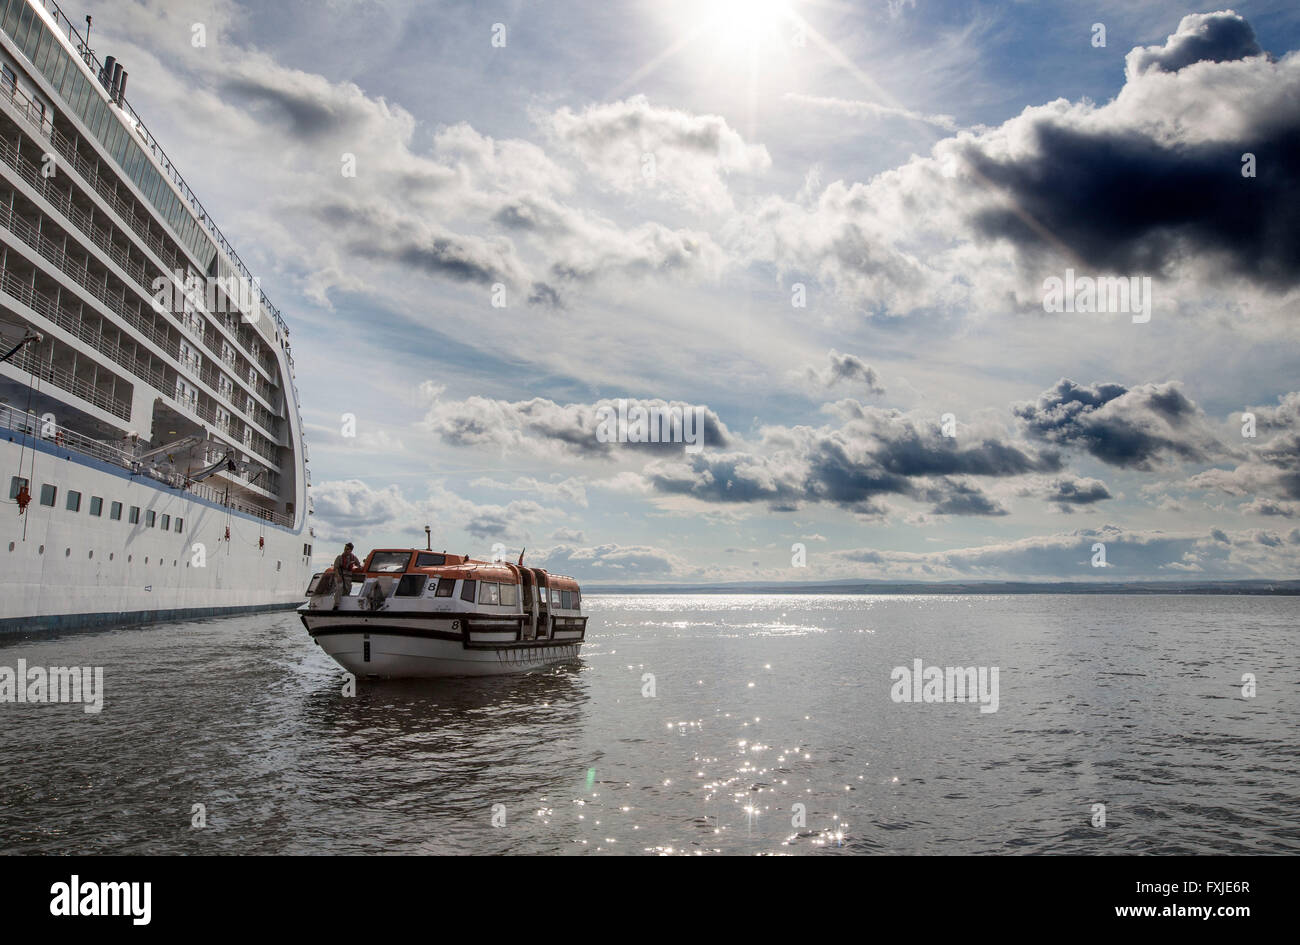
(1222, 588)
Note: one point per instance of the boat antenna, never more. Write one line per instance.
(428, 538)
(521, 556)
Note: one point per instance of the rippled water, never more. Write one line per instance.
(760, 703)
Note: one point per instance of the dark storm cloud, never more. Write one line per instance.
(1201, 37)
(1121, 427)
(876, 453)
(1138, 201)
(1066, 493)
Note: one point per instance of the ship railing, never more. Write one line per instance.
(32, 425)
(71, 323)
(28, 361)
(102, 239)
(164, 163)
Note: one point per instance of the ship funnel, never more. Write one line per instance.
(121, 88)
(106, 73)
(115, 87)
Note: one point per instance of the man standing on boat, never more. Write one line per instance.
(344, 565)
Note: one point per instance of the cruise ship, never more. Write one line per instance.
(150, 433)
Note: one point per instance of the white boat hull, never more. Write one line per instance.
(419, 647)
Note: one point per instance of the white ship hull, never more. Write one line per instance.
(66, 568)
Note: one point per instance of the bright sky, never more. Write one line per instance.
(830, 225)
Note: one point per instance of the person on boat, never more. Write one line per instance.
(344, 565)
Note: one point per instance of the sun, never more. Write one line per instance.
(748, 25)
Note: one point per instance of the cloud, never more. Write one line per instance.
(543, 427)
(845, 369)
(858, 109)
(632, 146)
(1121, 427)
(572, 490)
(1200, 37)
(875, 452)
(1067, 493)
(1272, 465)
(1130, 555)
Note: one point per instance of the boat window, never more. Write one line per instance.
(566, 598)
(166, 523)
(180, 525)
(555, 597)
(135, 515)
(96, 505)
(577, 599)
(427, 559)
(446, 586)
(411, 585)
(150, 518)
(115, 511)
(389, 562)
(16, 486)
(48, 494)
(467, 591)
(74, 500)
(488, 594)
(509, 595)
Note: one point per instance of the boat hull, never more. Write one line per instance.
(422, 648)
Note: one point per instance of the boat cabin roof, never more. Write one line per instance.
(393, 561)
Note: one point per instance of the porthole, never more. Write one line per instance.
(67, 552)
(146, 559)
(110, 556)
(90, 554)
(41, 550)
(11, 546)
(130, 558)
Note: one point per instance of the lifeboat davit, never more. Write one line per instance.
(412, 613)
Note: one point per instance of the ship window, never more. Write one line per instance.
(566, 600)
(150, 518)
(48, 494)
(115, 511)
(42, 50)
(16, 486)
(445, 586)
(488, 594)
(58, 63)
(166, 522)
(180, 525)
(427, 560)
(9, 78)
(411, 585)
(555, 597)
(467, 591)
(135, 515)
(96, 505)
(389, 562)
(509, 595)
(577, 600)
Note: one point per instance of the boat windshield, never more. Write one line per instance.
(392, 562)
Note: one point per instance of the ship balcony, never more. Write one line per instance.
(171, 260)
(79, 273)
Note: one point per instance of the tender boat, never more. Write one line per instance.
(413, 613)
